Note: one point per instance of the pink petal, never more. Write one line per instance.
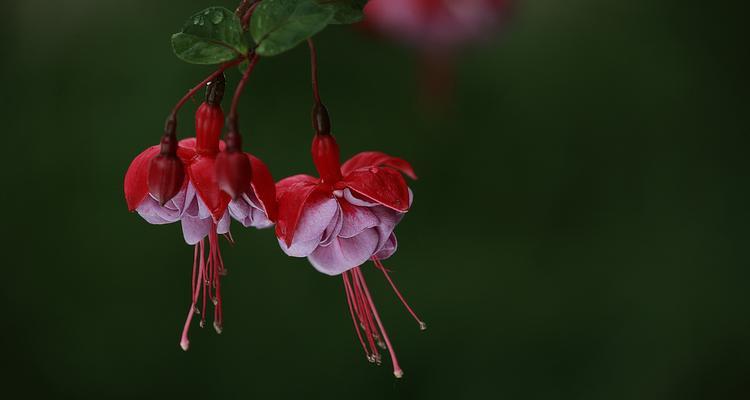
(387, 221)
(195, 229)
(333, 229)
(345, 253)
(248, 211)
(356, 220)
(352, 198)
(389, 247)
(154, 213)
(316, 217)
(222, 226)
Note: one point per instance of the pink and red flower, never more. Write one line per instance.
(200, 206)
(343, 219)
(436, 24)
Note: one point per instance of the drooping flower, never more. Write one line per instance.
(343, 219)
(436, 24)
(199, 204)
(437, 30)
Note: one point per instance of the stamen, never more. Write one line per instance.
(366, 318)
(208, 268)
(379, 265)
(184, 341)
(397, 371)
(349, 296)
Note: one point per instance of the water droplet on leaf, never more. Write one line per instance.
(217, 17)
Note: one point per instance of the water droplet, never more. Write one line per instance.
(374, 170)
(215, 301)
(371, 358)
(203, 323)
(217, 17)
(398, 373)
(197, 20)
(381, 344)
(378, 359)
(206, 12)
(218, 328)
(422, 326)
(196, 310)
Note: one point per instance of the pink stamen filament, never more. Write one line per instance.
(360, 279)
(349, 296)
(366, 320)
(207, 272)
(380, 266)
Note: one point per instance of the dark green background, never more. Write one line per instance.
(579, 229)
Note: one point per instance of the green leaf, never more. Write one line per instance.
(280, 25)
(345, 11)
(211, 36)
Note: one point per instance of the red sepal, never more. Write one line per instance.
(264, 187)
(292, 202)
(369, 159)
(283, 185)
(209, 121)
(381, 185)
(234, 173)
(325, 154)
(202, 174)
(166, 176)
(136, 178)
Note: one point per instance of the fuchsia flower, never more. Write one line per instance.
(156, 190)
(436, 24)
(343, 219)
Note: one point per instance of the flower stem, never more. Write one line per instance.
(245, 21)
(232, 118)
(314, 69)
(193, 91)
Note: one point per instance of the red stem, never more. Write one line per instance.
(314, 68)
(240, 88)
(201, 85)
(248, 14)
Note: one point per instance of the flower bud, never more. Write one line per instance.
(325, 151)
(209, 118)
(209, 121)
(165, 171)
(166, 175)
(233, 170)
(320, 120)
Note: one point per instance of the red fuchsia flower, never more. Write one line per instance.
(345, 218)
(155, 188)
(436, 24)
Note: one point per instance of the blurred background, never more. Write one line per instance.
(579, 229)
